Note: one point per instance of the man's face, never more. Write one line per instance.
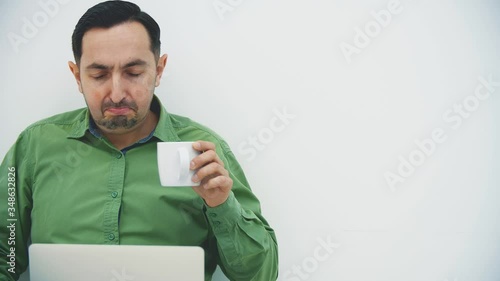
(117, 76)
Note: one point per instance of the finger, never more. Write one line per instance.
(218, 183)
(210, 170)
(203, 146)
(210, 193)
(214, 191)
(204, 159)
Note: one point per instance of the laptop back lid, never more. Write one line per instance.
(76, 262)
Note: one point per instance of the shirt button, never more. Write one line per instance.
(213, 215)
(111, 236)
(119, 155)
(114, 194)
(216, 223)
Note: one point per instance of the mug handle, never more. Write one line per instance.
(183, 163)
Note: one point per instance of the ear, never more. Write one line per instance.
(76, 72)
(162, 63)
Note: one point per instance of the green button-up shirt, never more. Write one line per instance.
(60, 183)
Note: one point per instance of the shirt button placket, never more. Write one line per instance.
(112, 208)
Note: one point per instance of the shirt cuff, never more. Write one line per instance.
(224, 216)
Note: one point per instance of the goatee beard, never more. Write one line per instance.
(118, 122)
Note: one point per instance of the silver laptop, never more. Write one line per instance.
(65, 262)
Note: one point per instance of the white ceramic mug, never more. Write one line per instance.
(174, 159)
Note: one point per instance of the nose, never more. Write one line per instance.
(117, 91)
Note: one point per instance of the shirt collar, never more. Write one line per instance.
(165, 129)
(93, 128)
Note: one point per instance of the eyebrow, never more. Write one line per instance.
(137, 62)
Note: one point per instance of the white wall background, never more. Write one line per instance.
(321, 176)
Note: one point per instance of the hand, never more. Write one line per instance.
(215, 183)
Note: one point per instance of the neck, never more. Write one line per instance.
(142, 130)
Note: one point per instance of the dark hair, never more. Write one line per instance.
(110, 13)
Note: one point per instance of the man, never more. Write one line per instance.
(89, 176)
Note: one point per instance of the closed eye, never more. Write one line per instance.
(99, 77)
(134, 74)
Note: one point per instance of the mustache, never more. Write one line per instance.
(123, 103)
